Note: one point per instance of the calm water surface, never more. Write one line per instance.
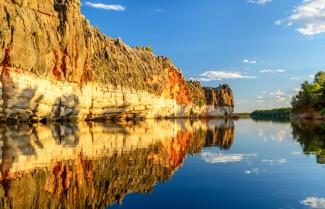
(164, 164)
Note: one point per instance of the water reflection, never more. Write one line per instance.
(311, 136)
(93, 165)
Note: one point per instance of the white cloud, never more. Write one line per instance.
(219, 75)
(250, 61)
(278, 22)
(309, 16)
(260, 101)
(272, 71)
(106, 6)
(277, 93)
(296, 78)
(265, 71)
(278, 134)
(280, 96)
(281, 99)
(281, 161)
(259, 1)
(253, 171)
(213, 158)
(314, 202)
(306, 77)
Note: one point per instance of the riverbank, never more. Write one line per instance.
(309, 116)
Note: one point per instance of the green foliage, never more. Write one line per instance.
(311, 96)
(37, 33)
(322, 111)
(200, 103)
(320, 77)
(18, 1)
(148, 48)
(11, 19)
(145, 48)
(272, 113)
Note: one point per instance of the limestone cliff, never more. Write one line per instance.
(55, 65)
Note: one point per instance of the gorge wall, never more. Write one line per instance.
(55, 65)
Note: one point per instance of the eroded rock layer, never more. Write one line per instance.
(55, 65)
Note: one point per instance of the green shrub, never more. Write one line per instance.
(11, 18)
(322, 111)
(273, 113)
(18, 1)
(148, 48)
(37, 34)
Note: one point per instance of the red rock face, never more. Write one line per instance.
(57, 72)
(177, 88)
(178, 148)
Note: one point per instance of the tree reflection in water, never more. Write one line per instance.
(311, 136)
(93, 165)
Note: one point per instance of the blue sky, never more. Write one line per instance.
(263, 48)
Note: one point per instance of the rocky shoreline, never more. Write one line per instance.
(55, 66)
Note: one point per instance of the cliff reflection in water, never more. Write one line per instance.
(311, 136)
(93, 165)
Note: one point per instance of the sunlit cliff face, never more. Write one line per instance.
(91, 165)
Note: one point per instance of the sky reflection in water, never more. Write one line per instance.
(269, 165)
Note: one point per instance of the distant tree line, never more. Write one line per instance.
(311, 97)
(278, 113)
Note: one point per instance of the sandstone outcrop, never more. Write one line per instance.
(219, 100)
(55, 65)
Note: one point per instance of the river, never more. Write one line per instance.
(164, 164)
